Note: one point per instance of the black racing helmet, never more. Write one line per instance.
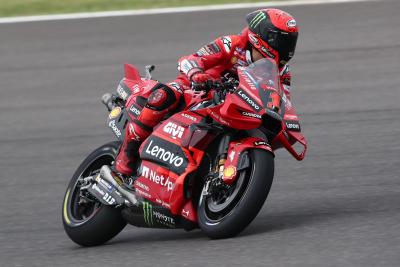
(273, 33)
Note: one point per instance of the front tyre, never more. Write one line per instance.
(86, 221)
(225, 213)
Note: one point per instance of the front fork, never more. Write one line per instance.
(214, 179)
(230, 160)
(222, 154)
(234, 162)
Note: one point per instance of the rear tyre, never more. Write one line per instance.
(86, 221)
(226, 214)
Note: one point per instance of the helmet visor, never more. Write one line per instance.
(284, 43)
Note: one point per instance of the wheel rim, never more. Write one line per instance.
(220, 204)
(79, 209)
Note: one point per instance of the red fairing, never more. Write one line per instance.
(183, 149)
(131, 72)
(236, 149)
(172, 154)
(220, 57)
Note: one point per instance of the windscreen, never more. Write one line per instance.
(263, 76)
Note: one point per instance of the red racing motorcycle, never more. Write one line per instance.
(209, 166)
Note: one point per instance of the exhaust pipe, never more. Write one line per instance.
(105, 173)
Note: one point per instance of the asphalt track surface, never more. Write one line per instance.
(339, 207)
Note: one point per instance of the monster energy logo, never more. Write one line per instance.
(257, 19)
(148, 213)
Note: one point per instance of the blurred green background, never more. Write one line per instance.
(39, 7)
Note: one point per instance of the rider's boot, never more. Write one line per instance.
(162, 100)
(126, 163)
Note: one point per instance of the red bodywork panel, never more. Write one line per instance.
(175, 149)
(131, 72)
(236, 148)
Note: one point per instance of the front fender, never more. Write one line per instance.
(235, 150)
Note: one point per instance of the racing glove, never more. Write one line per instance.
(201, 80)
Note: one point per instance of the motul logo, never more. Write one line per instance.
(174, 130)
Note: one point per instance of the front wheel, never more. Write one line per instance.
(226, 212)
(86, 221)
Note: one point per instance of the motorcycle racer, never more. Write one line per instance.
(270, 33)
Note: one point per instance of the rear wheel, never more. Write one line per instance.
(86, 221)
(227, 211)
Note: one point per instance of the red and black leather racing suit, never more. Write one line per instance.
(218, 58)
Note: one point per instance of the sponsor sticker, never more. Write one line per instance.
(165, 153)
(253, 38)
(136, 89)
(114, 113)
(123, 91)
(104, 183)
(293, 126)
(163, 218)
(134, 111)
(163, 203)
(157, 178)
(267, 51)
(291, 23)
(249, 80)
(185, 213)
(187, 116)
(174, 130)
(230, 171)
(152, 216)
(114, 127)
(143, 193)
(148, 213)
(226, 40)
(105, 196)
(261, 143)
(249, 100)
(257, 19)
(142, 186)
(251, 115)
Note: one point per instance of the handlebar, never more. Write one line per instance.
(228, 85)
